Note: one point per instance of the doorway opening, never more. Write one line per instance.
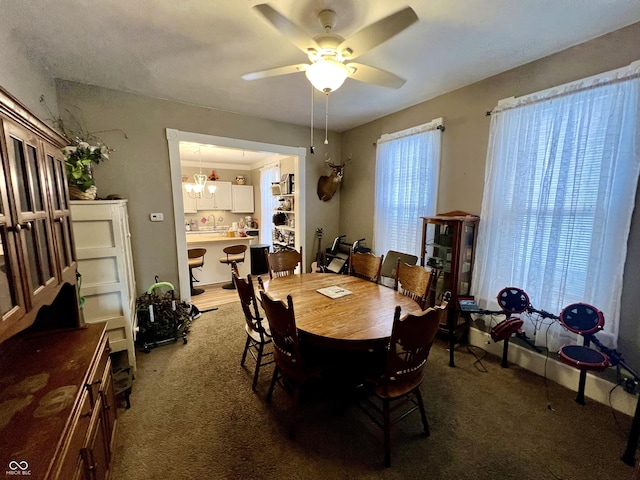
(176, 138)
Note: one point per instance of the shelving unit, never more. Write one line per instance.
(448, 246)
(105, 261)
(285, 236)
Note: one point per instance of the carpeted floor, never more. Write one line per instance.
(193, 416)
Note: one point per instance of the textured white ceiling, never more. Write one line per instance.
(196, 51)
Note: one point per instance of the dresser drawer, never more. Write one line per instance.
(71, 459)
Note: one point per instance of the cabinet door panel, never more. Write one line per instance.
(60, 214)
(109, 409)
(95, 454)
(72, 462)
(17, 157)
(188, 203)
(40, 265)
(33, 221)
(220, 200)
(242, 198)
(11, 296)
(35, 170)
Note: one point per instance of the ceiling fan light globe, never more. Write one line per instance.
(327, 75)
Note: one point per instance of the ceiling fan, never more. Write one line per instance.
(330, 54)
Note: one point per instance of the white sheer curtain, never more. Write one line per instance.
(406, 187)
(268, 174)
(560, 184)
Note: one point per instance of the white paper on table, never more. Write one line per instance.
(333, 292)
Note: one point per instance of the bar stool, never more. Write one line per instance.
(234, 253)
(196, 260)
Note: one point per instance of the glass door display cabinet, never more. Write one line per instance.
(448, 246)
(37, 257)
(65, 429)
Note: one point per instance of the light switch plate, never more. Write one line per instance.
(156, 217)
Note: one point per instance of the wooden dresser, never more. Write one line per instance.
(57, 405)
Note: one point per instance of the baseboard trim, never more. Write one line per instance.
(596, 388)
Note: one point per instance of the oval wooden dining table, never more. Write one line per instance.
(359, 320)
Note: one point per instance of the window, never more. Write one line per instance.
(406, 187)
(268, 175)
(560, 185)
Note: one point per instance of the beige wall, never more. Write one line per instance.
(25, 78)
(139, 168)
(464, 147)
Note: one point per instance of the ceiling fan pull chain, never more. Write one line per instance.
(311, 146)
(326, 121)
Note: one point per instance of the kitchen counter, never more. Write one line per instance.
(208, 237)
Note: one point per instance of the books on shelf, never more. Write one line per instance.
(333, 291)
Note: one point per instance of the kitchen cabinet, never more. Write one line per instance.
(242, 199)
(220, 200)
(105, 261)
(189, 203)
(65, 426)
(37, 256)
(448, 246)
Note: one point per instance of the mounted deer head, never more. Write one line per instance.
(328, 185)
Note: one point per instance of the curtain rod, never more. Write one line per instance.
(629, 72)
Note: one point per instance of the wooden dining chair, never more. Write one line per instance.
(365, 265)
(290, 371)
(256, 327)
(411, 339)
(414, 281)
(283, 262)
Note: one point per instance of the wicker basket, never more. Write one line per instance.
(76, 194)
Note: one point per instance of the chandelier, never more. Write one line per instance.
(199, 187)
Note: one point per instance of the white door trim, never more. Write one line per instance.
(174, 137)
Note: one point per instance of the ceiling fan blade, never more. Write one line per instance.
(273, 72)
(377, 76)
(295, 34)
(373, 35)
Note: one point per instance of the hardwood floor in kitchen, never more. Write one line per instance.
(214, 295)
